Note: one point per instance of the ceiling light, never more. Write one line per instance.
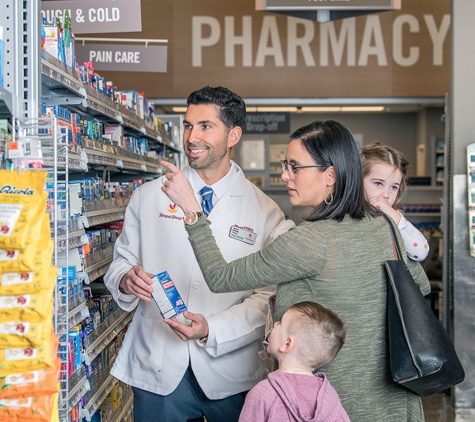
(320, 109)
(179, 109)
(272, 109)
(375, 108)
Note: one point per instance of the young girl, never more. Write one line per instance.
(384, 172)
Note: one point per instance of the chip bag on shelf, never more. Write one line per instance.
(42, 278)
(32, 383)
(17, 360)
(35, 253)
(20, 220)
(22, 204)
(33, 307)
(26, 409)
(24, 333)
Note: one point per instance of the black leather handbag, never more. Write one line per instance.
(421, 354)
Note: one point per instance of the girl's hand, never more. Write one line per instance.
(382, 204)
(177, 187)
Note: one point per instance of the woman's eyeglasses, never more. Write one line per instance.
(292, 170)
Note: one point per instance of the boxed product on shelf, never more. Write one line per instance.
(52, 44)
(142, 105)
(128, 98)
(116, 132)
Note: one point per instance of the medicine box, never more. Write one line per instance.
(166, 296)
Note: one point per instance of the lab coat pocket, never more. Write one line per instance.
(147, 353)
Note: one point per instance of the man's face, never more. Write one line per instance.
(205, 138)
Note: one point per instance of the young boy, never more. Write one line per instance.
(307, 337)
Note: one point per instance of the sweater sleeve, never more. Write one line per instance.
(417, 247)
(415, 268)
(278, 263)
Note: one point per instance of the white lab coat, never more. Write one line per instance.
(152, 357)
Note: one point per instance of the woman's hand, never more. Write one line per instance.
(177, 187)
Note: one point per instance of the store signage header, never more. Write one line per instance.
(95, 17)
(267, 123)
(123, 58)
(328, 4)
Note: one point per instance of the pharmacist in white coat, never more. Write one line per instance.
(206, 365)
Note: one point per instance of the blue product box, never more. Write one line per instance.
(166, 296)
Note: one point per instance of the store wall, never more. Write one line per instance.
(403, 53)
(400, 130)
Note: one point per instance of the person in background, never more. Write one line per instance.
(206, 363)
(307, 337)
(384, 174)
(335, 259)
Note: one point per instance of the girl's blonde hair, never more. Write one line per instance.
(377, 152)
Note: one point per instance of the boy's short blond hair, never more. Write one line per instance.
(319, 332)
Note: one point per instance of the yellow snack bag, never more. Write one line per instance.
(42, 278)
(33, 307)
(24, 333)
(22, 203)
(22, 182)
(20, 220)
(15, 360)
(26, 409)
(33, 383)
(15, 260)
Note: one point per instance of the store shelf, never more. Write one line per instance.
(97, 213)
(125, 411)
(114, 325)
(98, 256)
(78, 314)
(73, 240)
(423, 214)
(77, 379)
(76, 394)
(93, 404)
(101, 106)
(98, 265)
(105, 217)
(105, 204)
(133, 124)
(60, 84)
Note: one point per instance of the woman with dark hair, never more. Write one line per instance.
(336, 258)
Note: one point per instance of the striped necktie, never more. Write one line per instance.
(207, 202)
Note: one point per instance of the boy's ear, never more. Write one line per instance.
(288, 345)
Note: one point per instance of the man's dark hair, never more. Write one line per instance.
(232, 107)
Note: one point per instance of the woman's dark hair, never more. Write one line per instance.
(232, 107)
(331, 144)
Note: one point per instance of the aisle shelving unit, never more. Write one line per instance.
(63, 88)
(33, 76)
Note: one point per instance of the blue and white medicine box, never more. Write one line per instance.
(166, 296)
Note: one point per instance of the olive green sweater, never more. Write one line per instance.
(341, 266)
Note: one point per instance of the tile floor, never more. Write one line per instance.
(438, 408)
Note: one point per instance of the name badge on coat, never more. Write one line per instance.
(244, 234)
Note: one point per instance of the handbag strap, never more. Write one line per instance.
(397, 249)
